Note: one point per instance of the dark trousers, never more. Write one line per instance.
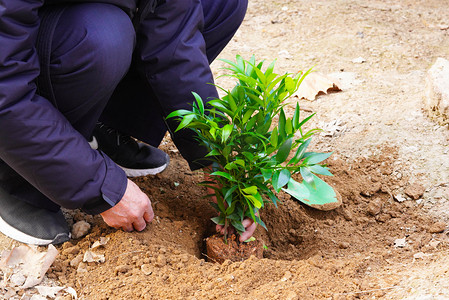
(94, 64)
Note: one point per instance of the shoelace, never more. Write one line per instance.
(121, 138)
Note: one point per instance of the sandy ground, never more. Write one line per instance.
(386, 147)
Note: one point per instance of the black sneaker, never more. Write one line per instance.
(29, 224)
(135, 158)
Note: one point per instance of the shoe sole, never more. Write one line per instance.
(143, 172)
(17, 235)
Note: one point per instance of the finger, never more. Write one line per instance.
(249, 232)
(127, 227)
(140, 224)
(148, 217)
(247, 222)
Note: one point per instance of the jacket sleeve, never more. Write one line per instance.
(36, 140)
(172, 48)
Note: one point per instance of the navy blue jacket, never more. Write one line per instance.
(36, 140)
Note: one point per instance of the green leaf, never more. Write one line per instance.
(218, 104)
(247, 115)
(270, 68)
(213, 153)
(290, 85)
(261, 76)
(274, 137)
(199, 102)
(230, 166)
(226, 151)
(284, 151)
(322, 194)
(179, 113)
(266, 174)
(251, 123)
(310, 133)
(218, 220)
(220, 203)
(274, 180)
(273, 198)
(284, 177)
(240, 162)
(185, 121)
(307, 176)
(229, 62)
(250, 211)
(282, 123)
(305, 120)
(259, 221)
(248, 155)
(238, 226)
(228, 194)
(300, 152)
(296, 116)
(230, 99)
(256, 200)
(212, 132)
(317, 157)
(226, 132)
(252, 190)
(317, 169)
(223, 174)
(274, 82)
(234, 216)
(288, 126)
(251, 239)
(214, 205)
(231, 208)
(280, 178)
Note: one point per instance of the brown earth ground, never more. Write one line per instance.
(385, 148)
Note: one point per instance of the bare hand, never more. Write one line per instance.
(250, 227)
(133, 211)
(248, 223)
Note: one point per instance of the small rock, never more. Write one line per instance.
(434, 244)
(76, 261)
(343, 245)
(374, 208)
(286, 276)
(394, 214)
(421, 255)
(81, 268)
(437, 227)
(399, 198)
(415, 191)
(71, 251)
(146, 269)
(437, 89)
(347, 214)
(80, 229)
(229, 277)
(161, 261)
(400, 243)
(292, 296)
(358, 60)
(329, 222)
(371, 189)
(122, 269)
(17, 279)
(383, 217)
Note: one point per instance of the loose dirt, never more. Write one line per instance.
(391, 164)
